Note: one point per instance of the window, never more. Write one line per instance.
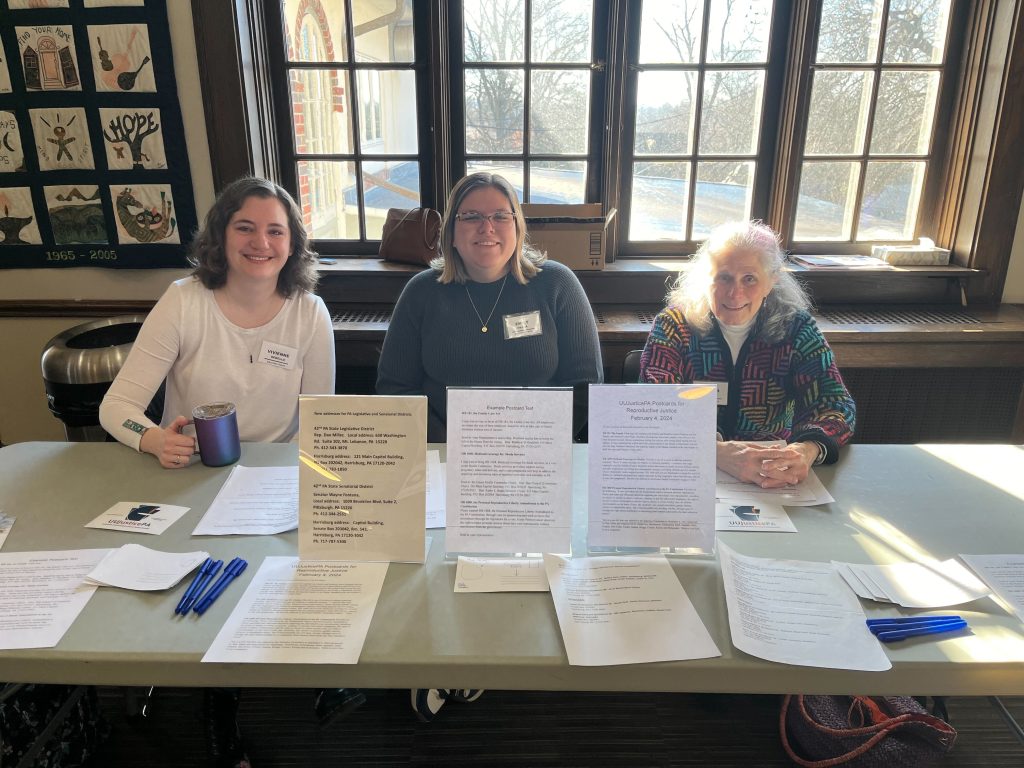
(840, 122)
(700, 72)
(874, 83)
(527, 94)
(527, 83)
(352, 115)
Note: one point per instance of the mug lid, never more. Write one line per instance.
(213, 410)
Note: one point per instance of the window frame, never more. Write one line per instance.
(597, 136)
(974, 205)
(782, 215)
(764, 158)
(288, 158)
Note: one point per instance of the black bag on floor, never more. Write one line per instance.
(49, 726)
(863, 731)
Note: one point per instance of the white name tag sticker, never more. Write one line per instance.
(522, 325)
(278, 355)
(721, 386)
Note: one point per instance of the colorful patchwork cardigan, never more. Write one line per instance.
(789, 390)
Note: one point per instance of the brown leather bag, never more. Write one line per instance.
(411, 236)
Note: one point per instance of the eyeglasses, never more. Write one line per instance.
(498, 218)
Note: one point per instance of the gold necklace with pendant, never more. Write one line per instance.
(483, 323)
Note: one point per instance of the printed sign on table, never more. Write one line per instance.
(362, 478)
(652, 466)
(509, 485)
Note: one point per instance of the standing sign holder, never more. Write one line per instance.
(509, 484)
(362, 478)
(651, 479)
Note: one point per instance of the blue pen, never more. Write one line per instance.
(201, 581)
(911, 619)
(880, 628)
(190, 593)
(935, 629)
(891, 626)
(234, 569)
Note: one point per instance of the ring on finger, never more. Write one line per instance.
(177, 459)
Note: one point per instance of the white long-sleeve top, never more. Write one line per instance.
(206, 358)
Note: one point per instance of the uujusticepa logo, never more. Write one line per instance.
(141, 512)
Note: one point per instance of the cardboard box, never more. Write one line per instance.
(575, 235)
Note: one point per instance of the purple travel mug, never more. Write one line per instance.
(217, 433)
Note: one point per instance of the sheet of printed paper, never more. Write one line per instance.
(328, 605)
(43, 594)
(809, 493)
(133, 566)
(139, 517)
(752, 517)
(916, 585)
(254, 501)
(796, 612)
(362, 477)
(435, 490)
(500, 574)
(652, 466)
(6, 523)
(1004, 574)
(509, 485)
(624, 610)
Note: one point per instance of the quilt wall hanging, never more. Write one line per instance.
(93, 163)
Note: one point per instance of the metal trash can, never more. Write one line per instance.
(79, 366)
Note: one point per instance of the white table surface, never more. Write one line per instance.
(892, 502)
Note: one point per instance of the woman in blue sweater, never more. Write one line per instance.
(491, 311)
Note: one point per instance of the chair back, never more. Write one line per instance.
(631, 366)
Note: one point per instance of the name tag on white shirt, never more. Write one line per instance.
(278, 355)
(522, 325)
(721, 386)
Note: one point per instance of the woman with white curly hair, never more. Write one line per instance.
(736, 318)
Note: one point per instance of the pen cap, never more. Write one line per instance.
(217, 433)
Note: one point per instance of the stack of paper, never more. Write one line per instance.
(1004, 574)
(808, 493)
(301, 612)
(846, 261)
(913, 585)
(137, 567)
(796, 612)
(254, 501)
(42, 594)
(624, 610)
